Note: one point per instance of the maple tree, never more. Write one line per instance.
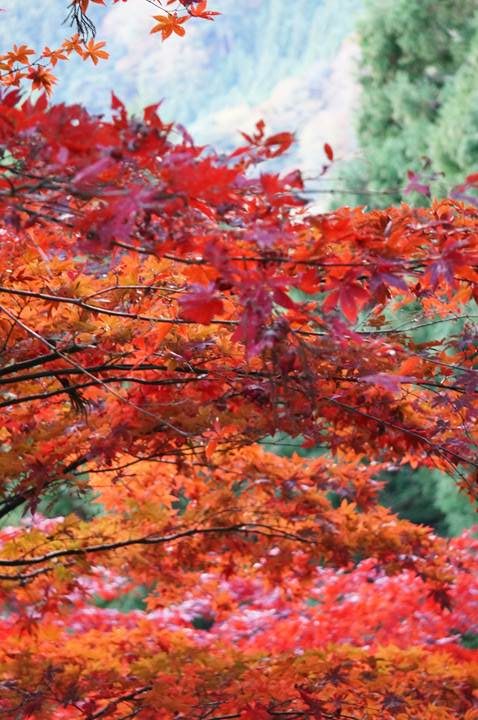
(164, 310)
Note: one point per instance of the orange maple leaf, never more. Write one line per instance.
(168, 24)
(42, 79)
(93, 50)
(19, 54)
(11, 79)
(74, 44)
(53, 55)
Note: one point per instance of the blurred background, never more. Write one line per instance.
(391, 85)
(292, 64)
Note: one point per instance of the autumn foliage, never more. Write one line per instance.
(163, 311)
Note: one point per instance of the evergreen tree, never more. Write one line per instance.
(419, 88)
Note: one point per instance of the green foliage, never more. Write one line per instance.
(419, 95)
(202, 622)
(64, 501)
(470, 640)
(61, 500)
(132, 600)
(428, 497)
(454, 137)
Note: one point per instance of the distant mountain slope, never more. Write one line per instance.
(266, 58)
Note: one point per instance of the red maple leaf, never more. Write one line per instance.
(201, 304)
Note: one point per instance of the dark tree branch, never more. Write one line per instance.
(241, 528)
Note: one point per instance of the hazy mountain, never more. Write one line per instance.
(290, 63)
